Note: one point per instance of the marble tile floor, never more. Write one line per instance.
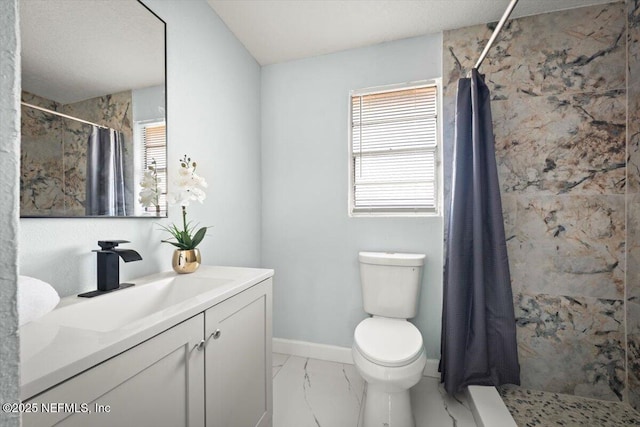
(540, 408)
(316, 393)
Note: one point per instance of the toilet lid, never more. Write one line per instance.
(388, 342)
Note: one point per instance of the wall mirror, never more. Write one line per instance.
(93, 109)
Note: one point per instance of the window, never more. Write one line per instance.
(153, 148)
(393, 150)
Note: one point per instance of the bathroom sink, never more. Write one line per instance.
(125, 308)
(81, 333)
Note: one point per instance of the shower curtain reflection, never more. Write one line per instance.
(105, 176)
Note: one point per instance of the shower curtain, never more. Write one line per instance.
(478, 322)
(105, 176)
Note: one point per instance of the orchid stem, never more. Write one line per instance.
(184, 218)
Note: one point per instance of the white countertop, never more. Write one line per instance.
(51, 353)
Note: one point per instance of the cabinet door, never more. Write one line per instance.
(159, 382)
(238, 360)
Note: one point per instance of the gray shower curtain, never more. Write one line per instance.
(478, 323)
(105, 176)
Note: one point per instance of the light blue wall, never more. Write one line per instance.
(148, 103)
(213, 115)
(307, 235)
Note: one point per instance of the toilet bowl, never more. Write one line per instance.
(388, 351)
(389, 355)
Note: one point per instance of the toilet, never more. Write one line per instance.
(388, 351)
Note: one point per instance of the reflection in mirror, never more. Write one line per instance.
(93, 109)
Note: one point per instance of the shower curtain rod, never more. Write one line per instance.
(46, 110)
(501, 23)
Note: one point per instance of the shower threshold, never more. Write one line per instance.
(511, 406)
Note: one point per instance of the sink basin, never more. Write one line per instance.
(124, 308)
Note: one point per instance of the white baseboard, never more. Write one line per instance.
(332, 353)
(431, 368)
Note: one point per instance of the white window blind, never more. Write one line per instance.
(154, 146)
(394, 137)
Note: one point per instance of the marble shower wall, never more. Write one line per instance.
(558, 84)
(41, 154)
(633, 204)
(54, 152)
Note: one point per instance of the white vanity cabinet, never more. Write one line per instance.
(238, 360)
(157, 383)
(213, 369)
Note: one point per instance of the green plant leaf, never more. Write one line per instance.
(199, 236)
(175, 233)
(177, 245)
(186, 239)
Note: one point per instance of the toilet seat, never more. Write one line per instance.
(388, 342)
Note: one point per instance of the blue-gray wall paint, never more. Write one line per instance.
(214, 116)
(148, 103)
(307, 235)
(9, 194)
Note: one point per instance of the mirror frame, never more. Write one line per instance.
(165, 212)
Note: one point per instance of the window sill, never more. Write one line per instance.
(395, 215)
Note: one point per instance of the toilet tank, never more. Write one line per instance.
(391, 283)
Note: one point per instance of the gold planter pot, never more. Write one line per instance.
(186, 261)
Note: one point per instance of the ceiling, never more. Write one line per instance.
(69, 52)
(282, 30)
(74, 50)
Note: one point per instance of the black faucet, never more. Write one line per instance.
(109, 266)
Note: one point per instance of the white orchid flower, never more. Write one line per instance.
(150, 192)
(187, 187)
